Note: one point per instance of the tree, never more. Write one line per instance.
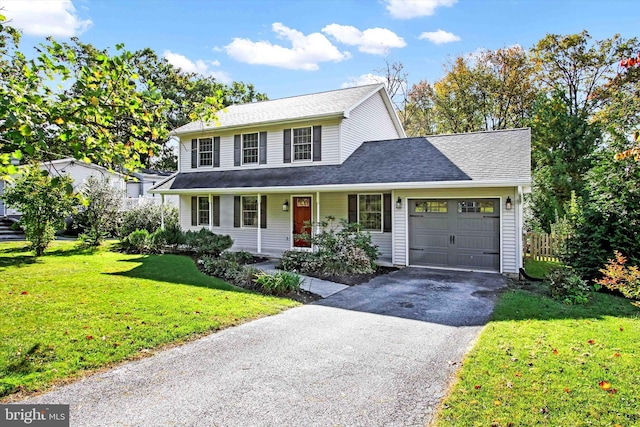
(101, 111)
(99, 218)
(418, 112)
(44, 202)
(574, 74)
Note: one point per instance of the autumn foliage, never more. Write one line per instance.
(619, 277)
(629, 63)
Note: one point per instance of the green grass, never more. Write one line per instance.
(539, 362)
(74, 311)
(538, 269)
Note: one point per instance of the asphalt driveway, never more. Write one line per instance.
(378, 354)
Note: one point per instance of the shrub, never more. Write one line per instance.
(99, 217)
(618, 277)
(241, 257)
(205, 242)
(298, 261)
(229, 271)
(137, 241)
(170, 236)
(278, 283)
(343, 250)
(147, 216)
(567, 286)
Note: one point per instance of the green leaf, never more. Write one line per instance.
(3, 18)
(25, 130)
(17, 155)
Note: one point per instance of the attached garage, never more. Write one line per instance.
(455, 233)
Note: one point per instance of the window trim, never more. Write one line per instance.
(293, 145)
(200, 152)
(257, 148)
(242, 211)
(381, 195)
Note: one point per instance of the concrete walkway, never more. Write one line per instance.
(367, 356)
(324, 288)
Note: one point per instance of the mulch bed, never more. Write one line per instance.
(354, 279)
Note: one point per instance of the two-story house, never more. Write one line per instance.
(268, 168)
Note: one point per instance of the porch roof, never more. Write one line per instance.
(474, 159)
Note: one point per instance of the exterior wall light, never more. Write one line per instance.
(508, 204)
(399, 203)
(285, 206)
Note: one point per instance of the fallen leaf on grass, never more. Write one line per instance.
(555, 351)
(612, 391)
(591, 342)
(566, 390)
(89, 337)
(477, 387)
(616, 354)
(23, 293)
(497, 403)
(518, 374)
(605, 385)
(621, 329)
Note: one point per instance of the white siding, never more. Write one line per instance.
(276, 238)
(509, 247)
(80, 172)
(330, 146)
(369, 121)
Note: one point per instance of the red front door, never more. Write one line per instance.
(301, 221)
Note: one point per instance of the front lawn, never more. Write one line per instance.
(540, 362)
(74, 311)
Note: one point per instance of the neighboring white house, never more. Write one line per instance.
(267, 168)
(135, 188)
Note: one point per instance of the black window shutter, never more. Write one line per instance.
(287, 146)
(237, 213)
(216, 151)
(194, 211)
(194, 153)
(216, 211)
(353, 207)
(387, 213)
(317, 143)
(263, 148)
(263, 212)
(236, 150)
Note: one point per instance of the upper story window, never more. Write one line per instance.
(250, 148)
(205, 152)
(302, 144)
(370, 211)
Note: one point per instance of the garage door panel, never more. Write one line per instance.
(480, 243)
(432, 258)
(477, 261)
(485, 225)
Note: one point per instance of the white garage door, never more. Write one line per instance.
(460, 233)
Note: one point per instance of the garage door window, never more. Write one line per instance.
(438, 206)
(475, 207)
(370, 211)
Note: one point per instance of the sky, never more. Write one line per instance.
(293, 47)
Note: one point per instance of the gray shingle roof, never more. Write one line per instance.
(500, 156)
(297, 107)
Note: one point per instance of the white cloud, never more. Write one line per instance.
(439, 37)
(407, 9)
(365, 79)
(305, 53)
(56, 18)
(377, 41)
(200, 66)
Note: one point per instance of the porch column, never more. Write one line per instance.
(211, 212)
(162, 211)
(317, 212)
(259, 248)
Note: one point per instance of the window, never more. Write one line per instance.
(249, 211)
(370, 211)
(249, 148)
(475, 207)
(431, 206)
(206, 152)
(203, 210)
(302, 144)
